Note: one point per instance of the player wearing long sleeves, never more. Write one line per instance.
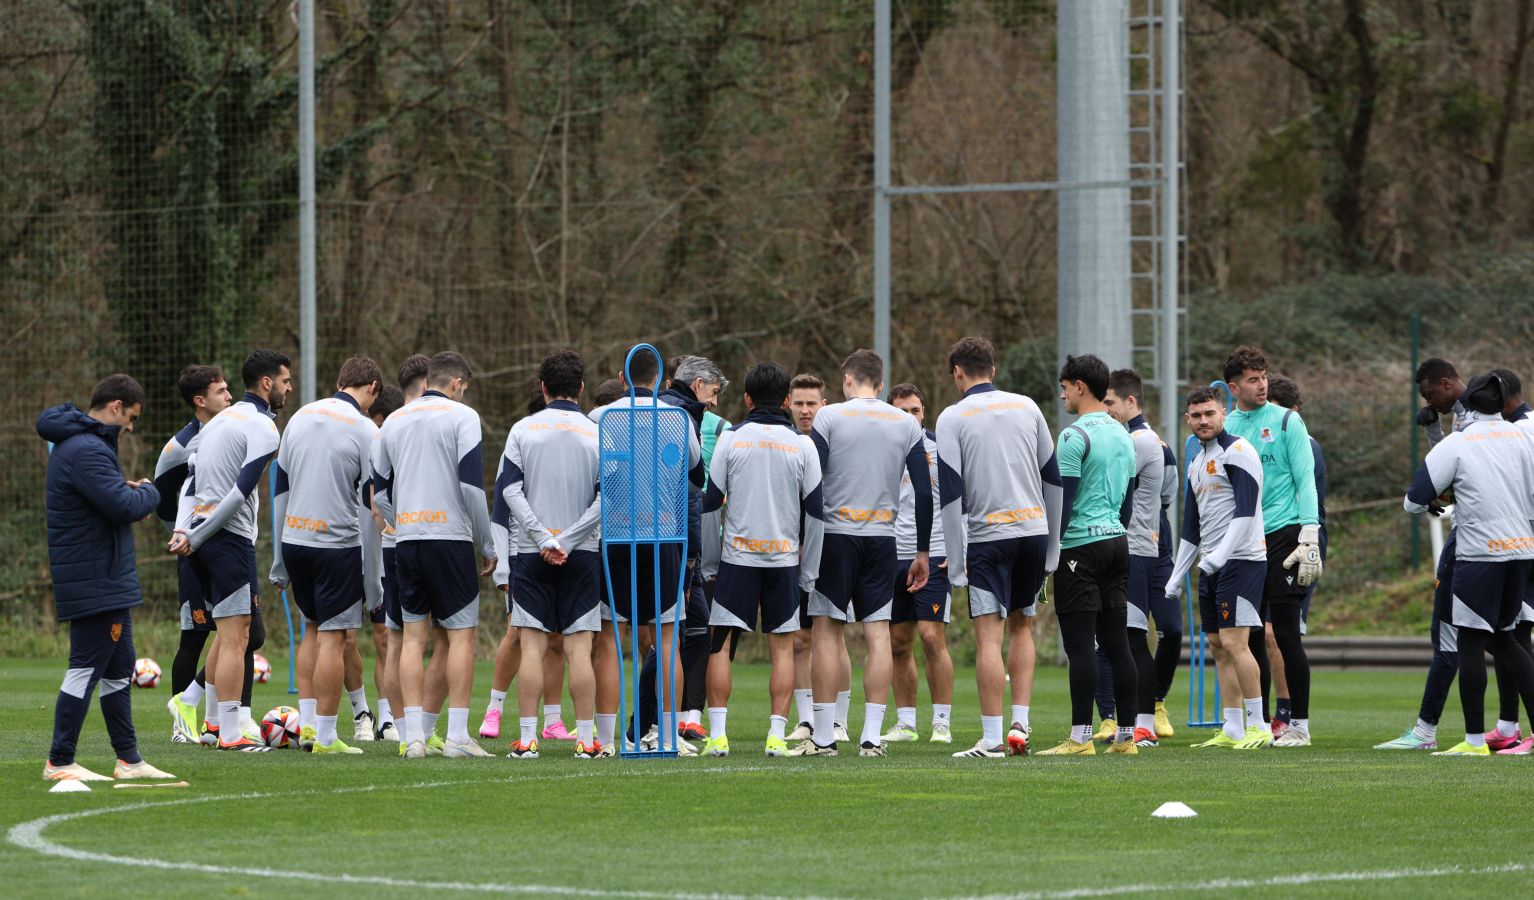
(1293, 524)
(216, 528)
(1222, 530)
(1000, 489)
(429, 484)
(1508, 734)
(1489, 466)
(774, 528)
(865, 447)
(325, 547)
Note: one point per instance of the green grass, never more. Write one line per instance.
(915, 824)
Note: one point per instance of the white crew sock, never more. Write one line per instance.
(843, 706)
(607, 723)
(583, 730)
(1475, 740)
(1506, 728)
(210, 703)
(497, 701)
(307, 712)
(385, 714)
(429, 722)
(1020, 716)
(458, 723)
(873, 722)
(1254, 717)
(824, 732)
(1233, 727)
(245, 718)
(551, 714)
(359, 699)
(1425, 730)
(776, 727)
(990, 729)
(229, 721)
(1126, 734)
(693, 717)
(717, 716)
(1148, 722)
(905, 716)
(942, 713)
(1300, 725)
(415, 730)
(193, 694)
(529, 725)
(326, 730)
(804, 701)
(1081, 734)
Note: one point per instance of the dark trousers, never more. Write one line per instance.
(100, 651)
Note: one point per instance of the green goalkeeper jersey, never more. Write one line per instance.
(1288, 463)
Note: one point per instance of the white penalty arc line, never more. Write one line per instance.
(1298, 879)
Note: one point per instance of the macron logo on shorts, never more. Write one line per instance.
(1072, 564)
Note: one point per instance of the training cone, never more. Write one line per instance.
(70, 786)
(1174, 810)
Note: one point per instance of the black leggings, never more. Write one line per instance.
(1473, 644)
(184, 670)
(1168, 655)
(1079, 630)
(1507, 684)
(257, 641)
(1145, 670)
(1286, 633)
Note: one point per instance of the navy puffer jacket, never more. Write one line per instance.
(91, 511)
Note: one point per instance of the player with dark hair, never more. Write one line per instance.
(385, 677)
(1000, 488)
(608, 392)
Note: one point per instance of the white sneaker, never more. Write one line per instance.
(941, 734)
(71, 772)
(139, 769)
(1293, 737)
(251, 731)
(868, 748)
(899, 733)
(415, 750)
(683, 748)
(841, 732)
(389, 733)
(362, 726)
(981, 751)
(808, 747)
(801, 732)
(650, 740)
(610, 750)
(464, 748)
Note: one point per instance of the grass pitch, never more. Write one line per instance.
(1337, 818)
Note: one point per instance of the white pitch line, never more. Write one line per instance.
(1303, 878)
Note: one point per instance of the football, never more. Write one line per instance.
(146, 673)
(279, 728)
(262, 670)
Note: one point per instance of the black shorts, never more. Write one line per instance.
(392, 617)
(746, 595)
(438, 580)
(225, 569)
(1488, 596)
(1005, 576)
(191, 595)
(635, 584)
(1229, 598)
(1093, 577)
(804, 609)
(857, 574)
(1282, 585)
(326, 583)
(557, 599)
(930, 604)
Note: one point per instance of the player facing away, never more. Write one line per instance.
(1507, 738)
(385, 676)
(1440, 387)
(325, 548)
(865, 445)
(925, 612)
(1096, 459)
(1222, 530)
(772, 539)
(1293, 525)
(216, 526)
(550, 481)
(1489, 467)
(1001, 495)
(206, 391)
(429, 483)
(1157, 482)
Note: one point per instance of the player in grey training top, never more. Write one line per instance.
(429, 479)
(865, 446)
(324, 544)
(1002, 499)
(216, 527)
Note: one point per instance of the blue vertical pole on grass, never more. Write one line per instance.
(1198, 649)
(643, 461)
(287, 611)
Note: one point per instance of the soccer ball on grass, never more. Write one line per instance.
(261, 669)
(146, 673)
(279, 728)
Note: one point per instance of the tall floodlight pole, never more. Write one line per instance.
(307, 343)
(881, 248)
(1171, 202)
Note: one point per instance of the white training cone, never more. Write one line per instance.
(69, 786)
(1174, 810)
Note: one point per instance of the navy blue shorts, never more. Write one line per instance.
(557, 599)
(392, 617)
(744, 595)
(1005, 576)
(438, 580)
(225, 569)
(1489, 595)
(631, 582)
(1232, 597)
(326, 584)
(857, 573)
(930, 604)
(190, 591)
(1147, 595)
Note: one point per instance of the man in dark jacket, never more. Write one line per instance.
(91, 511)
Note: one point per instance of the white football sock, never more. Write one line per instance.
(693, 717)
(193, 694)
(1233, 727)
(210, 703)
(229, 721)
(607, 723)
(1081, 734)
(942, 713)
(843, 706)
(873, 722)
(529, 725)
(551, 714)
(359, 700)
(1302, 725)
(1148, 722)
(905, 716)
(1020, 716)
(717, 716)
(1254, 717)
(1476, 740)
(777, 726)
(497, 701)
(824, 731)
(385, 714)
(990, 729)
(429, 722)
(458, 723)
(804, 701)
(415, 729)
(1506, 728)
(307, 711)
(1425, 730)
(1126, 734)
(245, 718)
(325, 730)
(583, 730)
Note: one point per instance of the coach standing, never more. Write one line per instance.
(91, 511)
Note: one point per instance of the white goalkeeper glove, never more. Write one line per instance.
(1307, 556)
